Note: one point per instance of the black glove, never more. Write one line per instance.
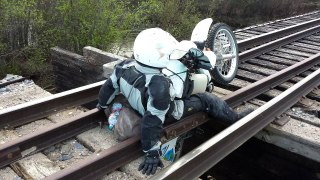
(151, 162)
(106, 111)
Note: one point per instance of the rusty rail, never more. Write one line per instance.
(122, 153)
(276, 21)
(254, 52)
(13, 81)
(31, 111)
(35, 142)
(271, 81)
(266, 37)
(106, 161)
(218, 147)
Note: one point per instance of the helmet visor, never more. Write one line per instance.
(181, 49)
(177, 54)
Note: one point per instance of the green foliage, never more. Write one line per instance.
(3, 48)
(240, 13)
(29, 28)
(175, 16)
(73, 24)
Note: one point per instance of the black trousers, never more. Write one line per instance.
(211, 104)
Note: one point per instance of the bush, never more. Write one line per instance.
(29, 28)
(256, 11)
(176, 16)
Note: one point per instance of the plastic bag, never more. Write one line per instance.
(128, 121)
(128, 124)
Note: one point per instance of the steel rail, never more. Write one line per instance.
(40, 108)
(218, 147)
(100, 164)
(276, 21)
(11, 82)
(110, 159)
(85, 171)
(261, 86)
(266, 37)
(35, 142)
(254, 52)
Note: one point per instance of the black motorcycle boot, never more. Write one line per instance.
(217, 108)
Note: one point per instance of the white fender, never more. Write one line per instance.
(201, 30)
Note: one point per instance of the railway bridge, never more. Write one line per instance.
(51, 136)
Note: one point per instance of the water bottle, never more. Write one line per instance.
(113, 117)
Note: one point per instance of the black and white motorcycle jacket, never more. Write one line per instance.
(149, 92)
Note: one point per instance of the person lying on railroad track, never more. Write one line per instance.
(151, 93)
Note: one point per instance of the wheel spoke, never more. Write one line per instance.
(223, 45)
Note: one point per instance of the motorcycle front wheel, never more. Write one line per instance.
(221, 40)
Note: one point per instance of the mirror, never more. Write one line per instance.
(196, 53)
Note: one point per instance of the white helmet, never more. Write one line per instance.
(153, 46)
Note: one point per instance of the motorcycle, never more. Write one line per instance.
(215, 41)
(218, 43)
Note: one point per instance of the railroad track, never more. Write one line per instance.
(267, 27)
(268, 67)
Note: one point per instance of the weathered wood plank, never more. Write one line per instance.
(309, 46)
(285, 24)
(286, 55)
(249, 76)
(252, 31)
(277, 26)
(8, 173)
(294, 52)
(238, 37)
(299, 114)
(310, 42)
(301, 49)
(37, 166)
(312, 39)
(267, 64)
(73, 70)
(263, 29)
(98, 57)
(291, 23)
(257, 69)
(315, 37)
(244, 34)
(252, 77)
(277, 60)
